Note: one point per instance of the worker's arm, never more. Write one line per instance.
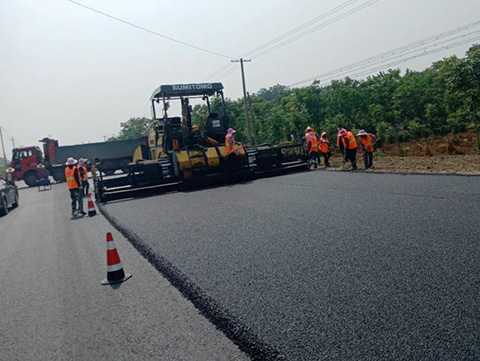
(211, 141)
(76, 175)
(361, 146)
(81, 173)
(346, 143)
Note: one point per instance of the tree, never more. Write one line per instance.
(466, 79)
(134, 128)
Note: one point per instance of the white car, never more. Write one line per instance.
(8, 196)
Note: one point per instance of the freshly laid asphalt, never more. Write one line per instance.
(326, 265)
(54, 307)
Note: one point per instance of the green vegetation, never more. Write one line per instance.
(133, 128)
(442, 99)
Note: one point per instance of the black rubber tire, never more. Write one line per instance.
(30, 179)
(58, 174)
(3, 207)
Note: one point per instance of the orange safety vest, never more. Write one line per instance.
(324, 145)
(230, 149)
(352, 142)
(313, 144)
(70, 176)
(85, 172)
(367, 142)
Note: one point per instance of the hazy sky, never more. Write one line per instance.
(74, 74)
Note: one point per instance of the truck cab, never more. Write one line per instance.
(25, 161)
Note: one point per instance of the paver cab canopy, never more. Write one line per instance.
(216, 121)
(186, 90)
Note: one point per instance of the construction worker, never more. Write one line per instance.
(231, 148)
(74, 186)
(339, 143)
(350, 147)
(9, 175)
(43, 177)
(311, 142)
(82, 168)
(367, 140)
(325, 149)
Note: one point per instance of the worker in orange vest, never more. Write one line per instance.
(82, 168)
(311, 143)
(367, 140)
(231, 148)
(72, 176)
(325, 148)
(350, 146)
(340, 143)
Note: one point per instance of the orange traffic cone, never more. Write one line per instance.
(91, 207)
(115, 272)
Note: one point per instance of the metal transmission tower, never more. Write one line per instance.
(249, 130)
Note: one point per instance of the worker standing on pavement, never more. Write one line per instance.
(311, 142)
(340, 143)
(367, 140)
(350, 147)
(74, 186)
(231, 148)
(325, 149)
(83, 173)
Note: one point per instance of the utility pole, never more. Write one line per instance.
(3, 148)
(13, 142)
(249, 131)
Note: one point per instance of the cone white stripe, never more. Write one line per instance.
(111, 245)
(115, 267)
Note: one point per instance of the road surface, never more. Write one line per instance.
(54, 307)
(326, 265)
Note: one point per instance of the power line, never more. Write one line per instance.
(150, 31)
(263, 49)
(316, 28)
(303, 26)
(424, 51)
(395, 53)
(450, 46)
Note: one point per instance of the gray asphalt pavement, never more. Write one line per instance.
(327, 265)
(54, 307)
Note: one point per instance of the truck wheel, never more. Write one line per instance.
(31, 179)
(3, 207)
(59, 175)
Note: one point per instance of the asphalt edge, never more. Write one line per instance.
(219, 316)
(363, 171)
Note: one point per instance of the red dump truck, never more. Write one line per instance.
(113, 156)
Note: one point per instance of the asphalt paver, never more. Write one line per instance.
(54, 307)
(329, 265)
